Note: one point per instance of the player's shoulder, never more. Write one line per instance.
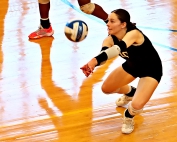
(108, 41)
(135, 31)
(108, 38)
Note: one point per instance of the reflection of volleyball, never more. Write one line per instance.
(76, 30)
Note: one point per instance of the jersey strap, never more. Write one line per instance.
(121, 43)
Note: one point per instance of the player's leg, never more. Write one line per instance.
(127, 90)
(145, 89)
(126, 97)
(117, 82)
(45, 28)
(91, 8)
(44, 7)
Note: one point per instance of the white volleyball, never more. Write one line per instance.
(76, 30)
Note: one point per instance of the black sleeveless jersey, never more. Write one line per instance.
(139, 54)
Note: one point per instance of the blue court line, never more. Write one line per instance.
(102, 22)
(157, 29)
(165, 46)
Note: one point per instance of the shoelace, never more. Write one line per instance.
(124, 98)
(39, 28)
(40, 31)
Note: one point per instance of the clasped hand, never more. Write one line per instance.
(88, 68)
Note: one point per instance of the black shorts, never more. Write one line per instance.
(151, 69)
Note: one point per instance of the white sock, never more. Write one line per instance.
(44, 18)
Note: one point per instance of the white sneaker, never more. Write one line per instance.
(128, 125)
(123, 100)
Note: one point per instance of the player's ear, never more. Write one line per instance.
(123, 25)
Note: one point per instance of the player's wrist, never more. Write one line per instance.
(95, 62)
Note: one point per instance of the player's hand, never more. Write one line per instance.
(89, 67)
(86, 70)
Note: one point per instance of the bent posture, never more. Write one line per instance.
(141, 60)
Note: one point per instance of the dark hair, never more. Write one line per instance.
(124, 16)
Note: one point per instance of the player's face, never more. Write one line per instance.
(114, 24)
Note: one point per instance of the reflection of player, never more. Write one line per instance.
(45, 28)
(142, 61)
(59, 98)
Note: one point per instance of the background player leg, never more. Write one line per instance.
(44, 13)
(45, 27)
(92, 8)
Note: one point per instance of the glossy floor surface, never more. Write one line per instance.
(45, 97)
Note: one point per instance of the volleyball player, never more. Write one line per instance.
(141, 61)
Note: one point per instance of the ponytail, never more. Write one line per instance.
(131, 26)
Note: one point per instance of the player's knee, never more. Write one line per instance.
(88, 8)
(134, 110)
(105, 89)
(43, 1)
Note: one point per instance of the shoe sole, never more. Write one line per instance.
(127, 132)
(46, 35)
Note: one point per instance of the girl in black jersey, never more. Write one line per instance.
(142, 60)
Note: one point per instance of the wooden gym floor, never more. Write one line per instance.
(45, 97)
